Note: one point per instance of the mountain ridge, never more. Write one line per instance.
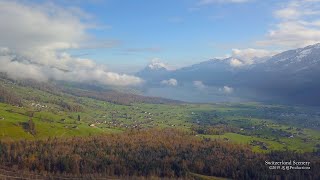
(290, 75)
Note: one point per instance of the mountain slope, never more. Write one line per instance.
(154, 72)
(290, 76)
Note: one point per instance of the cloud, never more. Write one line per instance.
(205, 2)
(25, 26)
(34, 40)
(199, 84)
(297, 9)
(157, 64)
(227, 89)
(170, 82)
(236, 62)
(76, 69)
(249, 56)
(298, 25)
(250, 53)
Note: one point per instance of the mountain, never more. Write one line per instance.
(295, 61)
(213, 70)
(290, 76)
(154, 72)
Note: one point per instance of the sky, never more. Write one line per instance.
(176, 32)
(183, 32)
(112, 37)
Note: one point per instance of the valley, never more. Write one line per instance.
(159, 90)
(58, 114)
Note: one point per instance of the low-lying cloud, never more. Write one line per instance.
(170, 82)
(226, 89)
(241, 57)
(199, 85)
(34, 43)
(74, 69)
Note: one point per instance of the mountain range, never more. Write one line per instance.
(288, 77)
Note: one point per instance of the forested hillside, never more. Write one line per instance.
(152, 153)
(50, 130)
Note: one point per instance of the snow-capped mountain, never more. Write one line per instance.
(212, 71)
(157, 65)
(154, 72)
(295, 60)
(291, 75)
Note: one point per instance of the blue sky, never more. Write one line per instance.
(177, 32)
(126, 35)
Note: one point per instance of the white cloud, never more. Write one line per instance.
(170, 82)
(75, 69)
(288, 13)
(297, 9)
(34, 38)
(157, 64)
(248, 56)
(292, 35)
(250, 53)
(26, 26)
(298, 25)
(199, 84)
(236, 62)
(227, 89)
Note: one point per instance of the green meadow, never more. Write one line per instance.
(264, 127)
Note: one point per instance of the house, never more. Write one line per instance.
(291, 136)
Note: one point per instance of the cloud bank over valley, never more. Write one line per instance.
(35, 39)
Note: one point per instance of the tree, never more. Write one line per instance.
(31, 126)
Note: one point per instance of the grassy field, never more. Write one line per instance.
(265, 127)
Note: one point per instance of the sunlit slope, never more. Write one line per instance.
(57, 113)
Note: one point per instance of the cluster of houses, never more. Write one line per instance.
(117, 120)
(37, 105)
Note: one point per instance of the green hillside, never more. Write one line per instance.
(57, 111)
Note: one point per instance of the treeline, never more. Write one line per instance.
(53, 90)
(56, 89)
(214, 129)
(149, 153)
(119, 97)
(73, 107)
(9, 97)
(42, 86)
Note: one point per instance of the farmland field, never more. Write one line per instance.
(265, 127)
(42, 115)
